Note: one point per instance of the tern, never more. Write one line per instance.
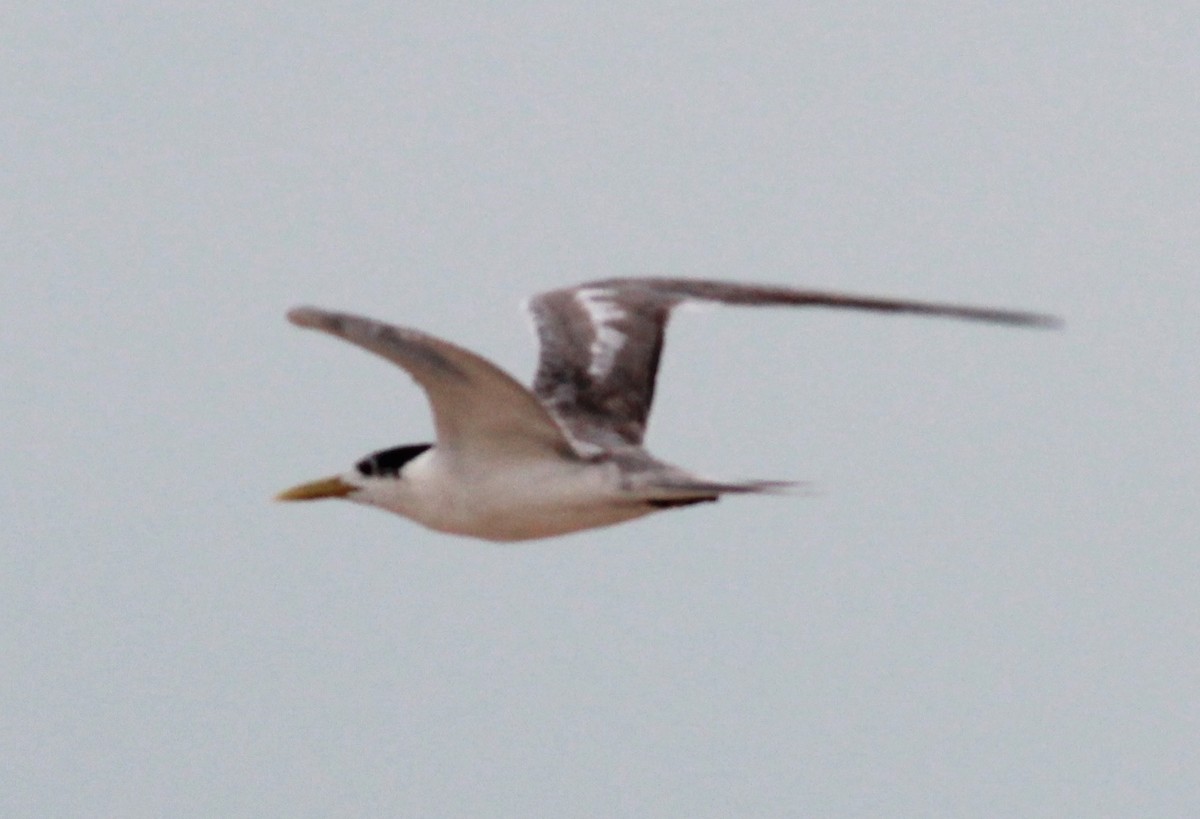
(512, 463)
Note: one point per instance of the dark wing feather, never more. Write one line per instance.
(601, 342)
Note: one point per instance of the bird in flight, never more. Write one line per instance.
(511, 463)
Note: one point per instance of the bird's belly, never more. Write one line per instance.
(528, 501)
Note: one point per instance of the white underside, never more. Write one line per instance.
(519, 499)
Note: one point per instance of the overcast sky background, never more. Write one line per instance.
(989, 607)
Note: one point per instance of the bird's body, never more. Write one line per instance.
(513, 464)
(513, 499)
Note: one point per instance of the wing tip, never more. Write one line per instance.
(1047, 322)
(1036, 321)
(305, 316)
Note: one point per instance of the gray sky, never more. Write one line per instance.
(988, 609)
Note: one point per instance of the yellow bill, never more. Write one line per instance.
(326, 488)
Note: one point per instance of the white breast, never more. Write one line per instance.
(517, 500)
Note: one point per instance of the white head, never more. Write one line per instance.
(376, 480)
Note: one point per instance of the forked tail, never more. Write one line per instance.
(683, 489)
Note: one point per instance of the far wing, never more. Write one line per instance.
(601, 342)
(477, 407)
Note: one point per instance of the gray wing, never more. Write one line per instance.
(477, 407)
(601, 342)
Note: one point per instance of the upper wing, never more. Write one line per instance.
(601, 342)
(477, 407)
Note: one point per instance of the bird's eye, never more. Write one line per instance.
(366, 467)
